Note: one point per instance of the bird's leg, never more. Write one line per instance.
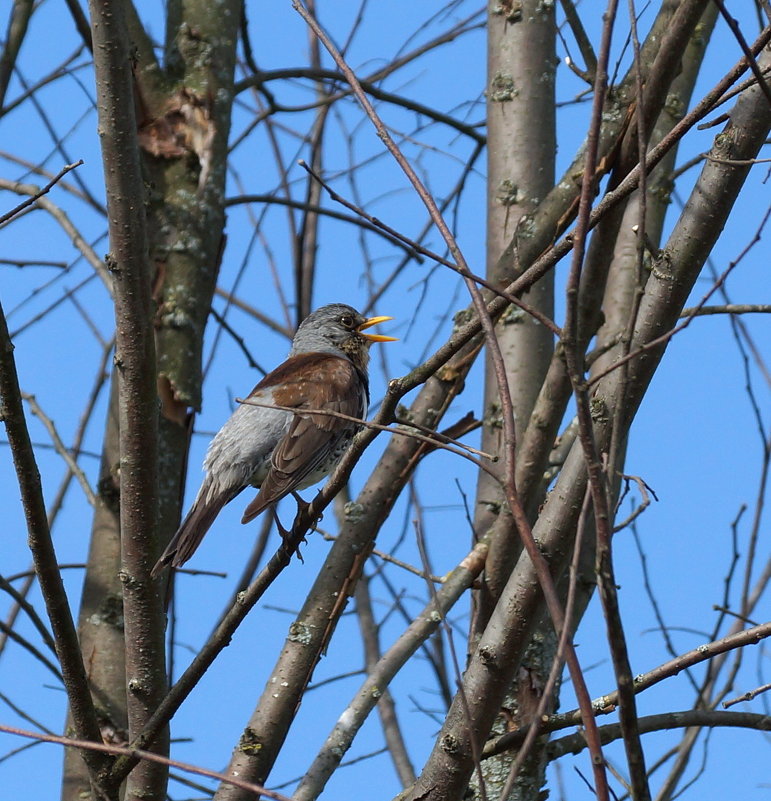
(286, 534)
(302, 508)
(302, 504)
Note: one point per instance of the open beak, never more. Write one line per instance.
(375, 337)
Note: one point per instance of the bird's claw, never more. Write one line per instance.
(286, 536)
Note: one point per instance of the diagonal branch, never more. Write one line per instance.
(44, 556)
(487, 325)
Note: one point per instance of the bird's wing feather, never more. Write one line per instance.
(330, 383)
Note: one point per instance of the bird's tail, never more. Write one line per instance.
(192, 529)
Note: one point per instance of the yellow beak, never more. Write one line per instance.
(375, 337)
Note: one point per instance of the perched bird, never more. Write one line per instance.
(276, 450)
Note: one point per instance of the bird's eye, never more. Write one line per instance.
(346, 321)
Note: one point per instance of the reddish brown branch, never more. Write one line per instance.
(148, 756)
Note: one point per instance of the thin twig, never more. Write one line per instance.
(37, 193)
(665, 337)
(387, 557)
(458, 448)
(689, 718)
(31, 613)
(606, 704)
(139, 754)
(64, 221)
(727, 308)
(31, 649)
(420, 249)
(739, 36)
(486, 323)
(322, 210)
(60, 447)
(748, 696)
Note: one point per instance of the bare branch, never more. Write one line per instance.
(44, 556)
(148, 756)
(60, 447)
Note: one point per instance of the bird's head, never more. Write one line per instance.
(340, 329)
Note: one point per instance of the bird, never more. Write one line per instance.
(279, 451)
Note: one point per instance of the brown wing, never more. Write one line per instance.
(312, 381)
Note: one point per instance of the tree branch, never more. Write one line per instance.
(44, 556)
(135, 360)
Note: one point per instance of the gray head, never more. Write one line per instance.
(338, 328)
